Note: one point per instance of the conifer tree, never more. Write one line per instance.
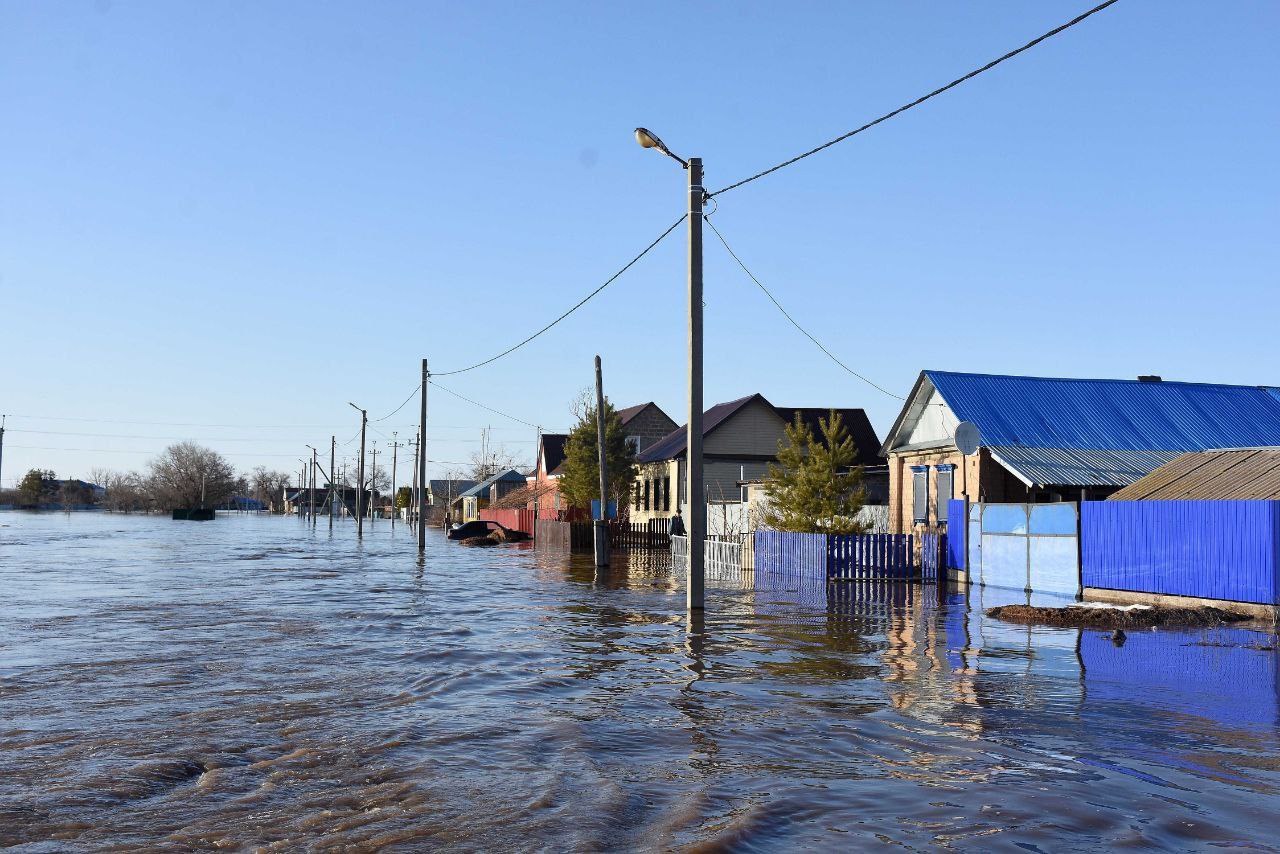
(816, 486)
(580, 481)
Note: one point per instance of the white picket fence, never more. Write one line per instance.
(721, 558)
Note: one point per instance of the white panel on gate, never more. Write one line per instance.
(1054, 565)
(1004, 561)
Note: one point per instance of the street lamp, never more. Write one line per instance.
(364, 421)
(695, 499)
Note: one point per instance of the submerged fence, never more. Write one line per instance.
(846, 557)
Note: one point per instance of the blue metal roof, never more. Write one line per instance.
(1111, 415)
(482, 488)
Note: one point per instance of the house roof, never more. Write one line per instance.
(482, 487)
(442, 486)
(553, 450)
(519, 498)
(1086, 432)
(855, 421)
(673, 444)
(1246, 473)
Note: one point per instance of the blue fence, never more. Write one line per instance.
(844, 557)
(957, 533)
(1210, 549)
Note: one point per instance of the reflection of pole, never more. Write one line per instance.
(602, 522)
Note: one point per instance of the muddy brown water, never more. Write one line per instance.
(252, 684)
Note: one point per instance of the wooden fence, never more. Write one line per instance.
(566, 536)
(631, 536)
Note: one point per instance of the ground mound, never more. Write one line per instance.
(1136, 617)
(487, 540)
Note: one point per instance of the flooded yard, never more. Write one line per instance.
(254, 682)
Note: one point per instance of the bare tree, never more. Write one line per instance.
(190, 475)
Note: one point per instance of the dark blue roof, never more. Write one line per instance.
(1111, 415)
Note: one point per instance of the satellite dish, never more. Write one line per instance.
(967, 439)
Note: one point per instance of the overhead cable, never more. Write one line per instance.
(577, 306)
(992, 64)
(788, 316)
(482, 406)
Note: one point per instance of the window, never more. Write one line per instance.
(666, 493)
(634, 443)
(646, 493)
(920, 494)
(946, 476)
(636, 496)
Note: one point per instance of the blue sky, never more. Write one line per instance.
(236, 217)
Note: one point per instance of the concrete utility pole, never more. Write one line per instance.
(311, 497)
(601, 526)
(333, 453)
(413, 490)
(2, 418)
(696, 500)
(695, 497)
(373, 482)
(422, 460)
(395, 446)
(364, 423)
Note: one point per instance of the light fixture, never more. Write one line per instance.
(649, 139)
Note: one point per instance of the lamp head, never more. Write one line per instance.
(649, 139)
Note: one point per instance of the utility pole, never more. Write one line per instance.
(695, 498)
(2, 418)
(311, 490)
(602, 523)
(413, 490)
(422, 460)
(373, 482)
(364, 423)
(333, 453)
(394, 498)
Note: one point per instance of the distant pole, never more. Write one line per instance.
(364, 422)
(422, 460)
(413, 490)
(333, 475)
(695, 499)
(394, 498)
(373, 483)
(602, 523)
(2, 418)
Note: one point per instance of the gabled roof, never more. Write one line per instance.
(553, 450)
(1245, 474)
(482, 488)
(1086, 432)
(855, 421)
(673, 444)
(443, 487)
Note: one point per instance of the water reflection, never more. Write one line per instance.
(256, 683)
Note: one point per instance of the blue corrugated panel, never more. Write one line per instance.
(1111, 415)
(1212, 549)
(957, 533)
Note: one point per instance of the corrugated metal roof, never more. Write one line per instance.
(1112, 415)
(1078, 467)
(1247, 473)
(482, 487)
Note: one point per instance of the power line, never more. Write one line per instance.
(169, 423)
(992, 64)
(411, 396)
(482, 406)
(579, 305)
(788, 316)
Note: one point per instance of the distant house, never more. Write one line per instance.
(645, 423)
(740, 439)
(1243, 474)
(1045, 440)
(468, 505)
(443, 492)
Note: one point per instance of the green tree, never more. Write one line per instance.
(580, 482)
(36, 485)
(816, 486)
(404, 496)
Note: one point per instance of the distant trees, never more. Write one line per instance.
(816, 486)
(190, 475)
(580, 481)
(268, 486)
(38, 485)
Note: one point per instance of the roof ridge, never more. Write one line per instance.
(1155, 383)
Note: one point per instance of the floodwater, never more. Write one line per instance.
(251, 683)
